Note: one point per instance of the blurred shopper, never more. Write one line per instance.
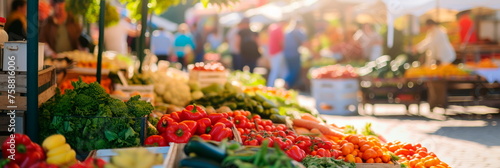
(215, 39)
(234, 49)
(370, 42)
(162, 43)
(200, 38)
(60, 31)
(43, 12)
(248, 47)
(16, 25)
(115, 36)
(183, 44)
(277, 58)
(466, 28)
(294, 38)
(436, 44)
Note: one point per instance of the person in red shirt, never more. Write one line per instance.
(466, 28)
(277, 59)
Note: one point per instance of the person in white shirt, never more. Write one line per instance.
(162, 43)
(115, 37)
(436, 45)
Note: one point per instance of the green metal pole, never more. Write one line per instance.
(142, 38)
(101, 39)
(32, 123)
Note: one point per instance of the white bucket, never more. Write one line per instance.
(336, 96)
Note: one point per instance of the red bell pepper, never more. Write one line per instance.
(178, 133)
(193, 112)
(214, 117)
(155, 140)
(240, 121)
(296, 153)
(219, 132)
(226, 122)
(323, 152)
(204, 126)
(283, 143)
(23, 152)
(193, 125)
(162, 125)
(303, 142)
(176, 116)
(206, 137)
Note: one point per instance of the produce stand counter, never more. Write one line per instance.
(466, 91)
(392, 91)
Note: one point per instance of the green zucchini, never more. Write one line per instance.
(198, 162)
(205, 150)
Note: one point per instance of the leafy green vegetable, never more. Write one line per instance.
(325, 162)
(90, 119)
(247, 79)
(350, 129)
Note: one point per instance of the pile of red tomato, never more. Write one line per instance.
(212, 66)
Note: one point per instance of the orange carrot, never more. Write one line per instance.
(309, 117)
(311, 124)
(301, 130)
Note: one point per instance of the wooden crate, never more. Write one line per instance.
(46, 89)
(206, 78)
(5, 122)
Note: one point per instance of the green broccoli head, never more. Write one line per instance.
(139, 108)
(85, 105)
(94, 90)
(118, 107)
(63, 104)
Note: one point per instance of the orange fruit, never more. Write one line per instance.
(378, 160)
(355, 152)
(386, 158)
(370, 160)
(358, 160)
(350, 158)
(353, 139)
(379, 151)
(369, 153)
(364, 148)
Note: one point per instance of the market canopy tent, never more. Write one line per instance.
(397, 8)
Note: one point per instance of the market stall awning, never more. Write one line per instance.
(397, 8)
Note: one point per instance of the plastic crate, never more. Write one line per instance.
(71, 126)
(336, 96)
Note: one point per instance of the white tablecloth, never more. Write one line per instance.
(491, 75)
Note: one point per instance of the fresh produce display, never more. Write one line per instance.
(58, 151)
(91, 162)
(484, 63)
(19, 151)
(282, 93)
(134, 158)
(172, 87)
(334, 72)
(325, 162)
(83, 59)
(90, 119)
(384, 67)
(67, 84)
(227, 154)
(440, 71)
(231, 96)
(212, 66)
(415, 155)
(247, 78)
(180, 126)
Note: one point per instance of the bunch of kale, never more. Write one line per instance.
(90, 119)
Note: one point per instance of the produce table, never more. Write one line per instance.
(391, 91)
(469, 91)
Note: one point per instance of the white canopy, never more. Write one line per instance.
(397, 8)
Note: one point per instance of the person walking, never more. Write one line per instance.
(16, 25)
(294, 38)
(234, 49)
(162, 43)
(60, 31)
(182, 44)
(436, 44)
(277, 59)
(248, 47)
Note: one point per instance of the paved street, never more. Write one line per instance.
(463, 138)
